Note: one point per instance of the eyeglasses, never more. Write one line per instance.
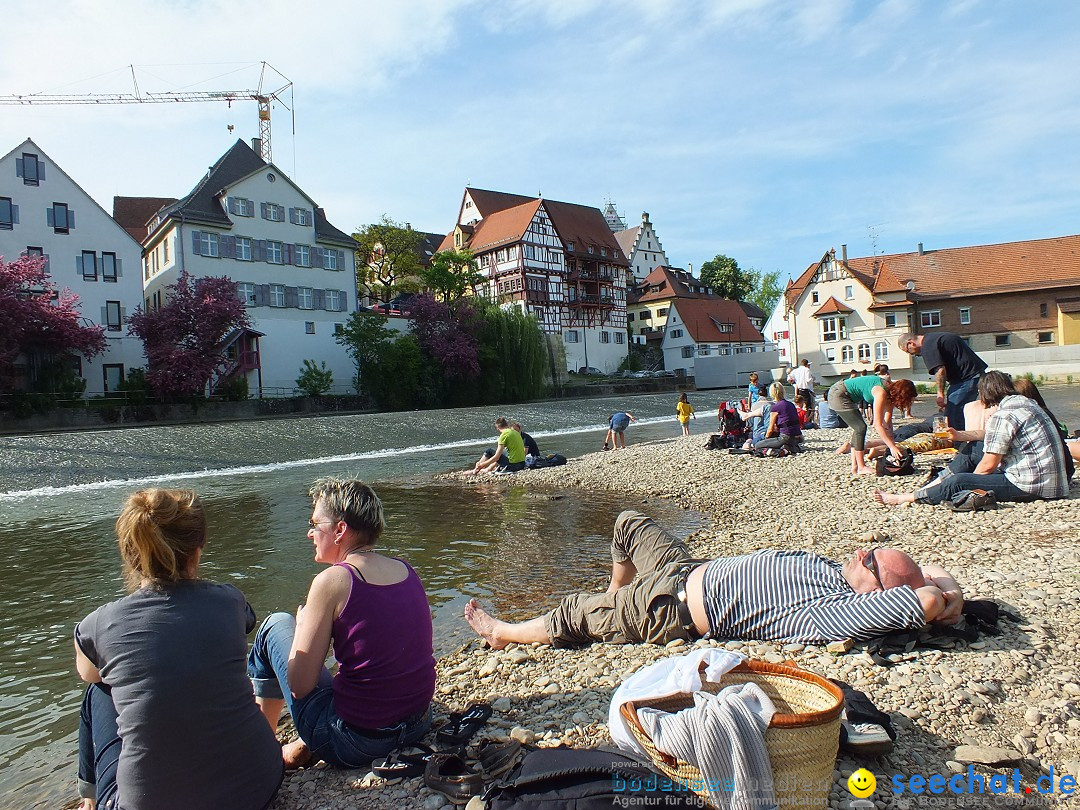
(314, 524)
(871, 565)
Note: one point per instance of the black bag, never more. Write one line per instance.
(583, 779)
(891, 466)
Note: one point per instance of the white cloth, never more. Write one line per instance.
(723, 735)
(669, 676)
(801, 377)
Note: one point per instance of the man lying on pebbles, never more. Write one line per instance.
(767, 595)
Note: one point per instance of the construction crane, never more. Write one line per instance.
(262, 97)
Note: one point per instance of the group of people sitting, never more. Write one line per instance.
(511, 451)
(180, 714)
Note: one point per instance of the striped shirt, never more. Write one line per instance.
(800, 596)
(1029, 442)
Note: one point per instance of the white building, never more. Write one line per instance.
(777, 330)
(642, 248)
(44, 212)
(297, 273)
(704, 327)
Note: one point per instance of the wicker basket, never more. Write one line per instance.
(802, 738)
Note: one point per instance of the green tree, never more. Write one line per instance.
(451, 275)
(366, 337)
(726, 278)
(767, 290)
(387, 258)
(314, 381)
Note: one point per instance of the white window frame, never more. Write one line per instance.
(303, 255)
(208, 244)
(571, 336)
(930, 319)
(274, 252)
(688, 351)
(864, 353)
(849, 292)
(246, 291)
(303, 217)
(830, 354)
(835, 326)
(243, 248)
(1048, 341)
(891, 316)
(881, 351)
(329, 261)
(675, 333)
(999, 344)
(309, 327)
(847, 353)
(965, 316)
(305, 298)
(277, 295)
(620, 337)
(333, 300)
(275, 212)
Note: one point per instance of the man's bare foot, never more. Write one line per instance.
(843, 449)
(864, 471)
(87, 804)
(295, 755)
(887, 498)
(485, 625)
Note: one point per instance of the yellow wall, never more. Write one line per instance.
(1068, 328)
(657, 322)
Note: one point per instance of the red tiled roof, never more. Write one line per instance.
(832, 306)
(132, 213)
(580, 225)
(701, 317)
(503, 227)
(674, 283)
(1036, 264)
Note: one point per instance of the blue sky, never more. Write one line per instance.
(769, 130)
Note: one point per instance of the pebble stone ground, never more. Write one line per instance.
(1019, 691)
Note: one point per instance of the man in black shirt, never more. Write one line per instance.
(951, 361)
(531, 448)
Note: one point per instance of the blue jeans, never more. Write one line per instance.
(960, 395)
(99, 746)
(946, 485)
(317, 722)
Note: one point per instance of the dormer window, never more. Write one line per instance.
(570, 246)
(814, 297)
(590, 249)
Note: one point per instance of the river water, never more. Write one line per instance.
(60, 495)
(516, 549)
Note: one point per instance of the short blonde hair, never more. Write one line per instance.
(353, 502)
(776, 391)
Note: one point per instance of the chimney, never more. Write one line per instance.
(920, 249)
(256, 146)
(408, 226)
(843, 253)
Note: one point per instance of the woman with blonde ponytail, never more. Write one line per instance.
(169, 719)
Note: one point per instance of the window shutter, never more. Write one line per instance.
(100, 261)
(78, 265)
(292, 297)
(288, 254)
(14, 215)
(228, 246)
(71, 219)
(231, 206)
(319, 299)
(195, 235)
(50, 217)
(262, 295)
(317, 257)
(264, 209)
(46, 262)
(343, 301)
(292, 216)
(104, 315)
(18, 167)
(41, 170)
(258, 250)
(119, 263)
(123, 315)
(341, 260)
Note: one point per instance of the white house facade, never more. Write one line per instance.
(777, 331)
(704, 327)
(296, 272)
(44, 212)
(642, 248)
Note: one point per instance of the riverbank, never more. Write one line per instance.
(1018, 691)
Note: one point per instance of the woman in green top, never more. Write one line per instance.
(849, 396)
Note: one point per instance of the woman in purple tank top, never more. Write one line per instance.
(374, 611)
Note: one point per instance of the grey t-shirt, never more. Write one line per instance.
(176, 659)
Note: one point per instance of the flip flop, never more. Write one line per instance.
(449, 775)
(462, 726)
(495, 757)
(403, 762)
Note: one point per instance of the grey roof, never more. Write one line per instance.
(627, 240)
(201, 203)
(753, 310)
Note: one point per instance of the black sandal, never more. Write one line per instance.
(403, 763)
(462, 726)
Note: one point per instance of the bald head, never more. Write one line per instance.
(896, 568)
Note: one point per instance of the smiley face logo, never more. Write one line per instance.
(861, 783)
